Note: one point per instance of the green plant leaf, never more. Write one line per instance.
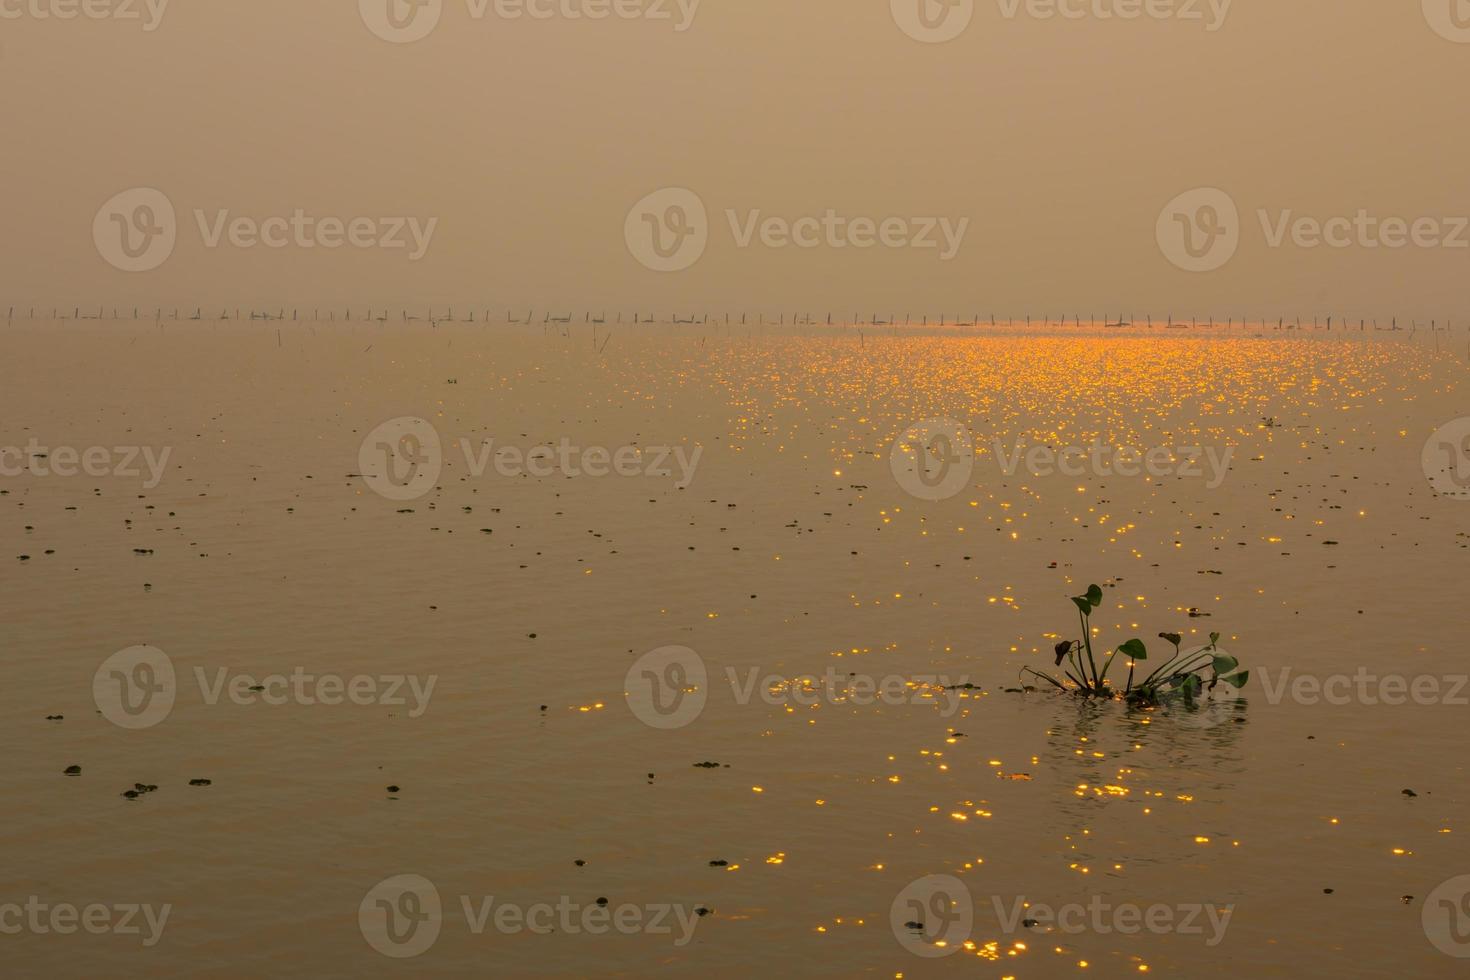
(1224, 663)
(1214, 638)
(1083, 604)
(1094, 595)
(1134, 650)
(1237, 681)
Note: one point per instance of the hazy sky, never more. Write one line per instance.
(1047, 148)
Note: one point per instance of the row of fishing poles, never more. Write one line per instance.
(448, 315)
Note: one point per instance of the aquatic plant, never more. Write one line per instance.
(1184, 676)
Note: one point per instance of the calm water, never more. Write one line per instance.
(264, 550)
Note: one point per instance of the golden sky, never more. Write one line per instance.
(1049, 148)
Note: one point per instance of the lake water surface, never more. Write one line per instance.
(731, 493)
